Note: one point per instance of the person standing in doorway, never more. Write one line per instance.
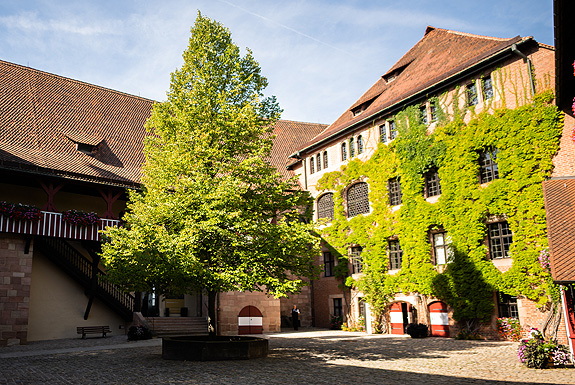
(295, 317)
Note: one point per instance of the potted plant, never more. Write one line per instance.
(416, 330)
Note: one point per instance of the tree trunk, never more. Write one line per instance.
(212, 322)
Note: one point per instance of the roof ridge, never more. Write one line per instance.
(300, 122)
(429, 29)
(31, 69)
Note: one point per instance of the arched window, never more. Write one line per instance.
(343, 152)
(311, 165)
(360, 144)
(325, 206)
(325, 159)
(351, 148)
(318, 160)
(357, 199)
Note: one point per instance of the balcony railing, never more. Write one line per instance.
(52, 225)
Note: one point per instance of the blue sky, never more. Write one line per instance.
(318, 55)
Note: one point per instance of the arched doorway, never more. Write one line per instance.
(400, 316)
(439, 319)
(250, 321)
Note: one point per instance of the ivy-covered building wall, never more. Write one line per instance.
(438, 199)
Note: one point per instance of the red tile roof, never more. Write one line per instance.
(560, 209)
(44, 116)
(439, 55)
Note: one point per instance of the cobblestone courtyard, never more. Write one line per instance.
(307, 357)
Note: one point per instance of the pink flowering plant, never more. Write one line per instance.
(80, 218)
(509, 328)
(537, 353)
(544, 259)
(20, 212)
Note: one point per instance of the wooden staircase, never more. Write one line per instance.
(178, 326)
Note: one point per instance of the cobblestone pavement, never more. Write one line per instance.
(305, 357)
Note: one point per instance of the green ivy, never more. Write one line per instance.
(526, 139)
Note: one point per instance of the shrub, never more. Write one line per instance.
(335, 322)
(139, 332)
(417, 330)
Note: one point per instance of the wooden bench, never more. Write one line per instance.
(83, 330)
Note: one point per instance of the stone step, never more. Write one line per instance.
(171, 326)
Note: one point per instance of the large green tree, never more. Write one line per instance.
(214, 215)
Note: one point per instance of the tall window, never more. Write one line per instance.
(432, 183)
(395, 254)
(362, 309)
(360, 144)
(488, 165)
(471, 91)
(507, 306)
(325, 164)
(356, 261)
(318, 161)
(357, 199)
(487, 86)
(337, 308)
(394, 191)
(423, 114)
(343, 152)
(351, 148)
(392, 130)
(383, 133)
(500, 238)
(325, 206)
(442, 248)
(433, 111)
(328, 264)
(311, 165)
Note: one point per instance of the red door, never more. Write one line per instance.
(250, 321)
(399, 317)
(439, 319)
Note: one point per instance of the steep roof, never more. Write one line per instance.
(290, 136)
(439, 55)
(560, 212)
(53, 125)
(44, 116)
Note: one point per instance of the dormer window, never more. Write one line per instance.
(85, 148)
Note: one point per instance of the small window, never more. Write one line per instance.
(362, 308)
(395, 254)
(357, 199)
(442, 249)
(318, 161)
(325, 206)
(325, 164)
(351, 148)
(433, 111)
(392, 130)
(311, 165)
(356, 261)
(360, 144)
(423, 114)
(337, 308)
(471, 90)
(507, 306)
(328, 264)
(432, 183)
(487, 86)
(500, 238)
(488, 165)
(343, 152)
(394, 191)
(383, 133)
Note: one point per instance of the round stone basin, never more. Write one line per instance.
(204, 348)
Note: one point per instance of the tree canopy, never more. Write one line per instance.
(213, 215)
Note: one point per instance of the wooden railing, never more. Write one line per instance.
(52, 225)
